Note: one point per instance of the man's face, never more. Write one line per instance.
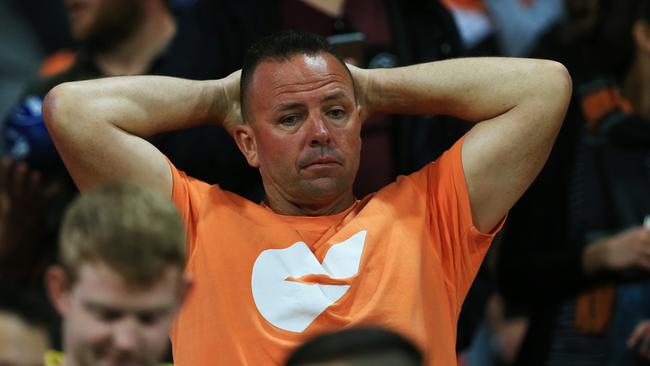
(103, 23)
(21, 344)
(108, 322)
(306, 129)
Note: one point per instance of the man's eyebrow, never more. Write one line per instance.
(96, 306)
(287, 106)
(339, 94)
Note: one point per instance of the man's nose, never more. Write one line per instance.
(126, 335)
(320, 133)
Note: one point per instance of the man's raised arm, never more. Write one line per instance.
(99, 126)
(521, 103)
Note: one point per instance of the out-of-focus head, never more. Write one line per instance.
(120, 282)
(23, 327)
(302, 118)
(100, 24)
(615, 43)
(582, 13)
(357, 347)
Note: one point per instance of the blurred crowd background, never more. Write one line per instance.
(566, 282)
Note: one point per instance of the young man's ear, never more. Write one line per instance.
(245, 139)
(185, 288)
(58, 288)
(641, 35)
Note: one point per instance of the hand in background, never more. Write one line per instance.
(24, 199)
(629, 249)
(640, 338)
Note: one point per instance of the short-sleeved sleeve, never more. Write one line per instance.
(462, 246)
(186, 195)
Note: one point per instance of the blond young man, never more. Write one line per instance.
(120, 281)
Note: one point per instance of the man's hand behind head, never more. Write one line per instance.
(361, 88)
(227, 103)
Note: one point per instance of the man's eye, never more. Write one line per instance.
(337, 113)
(289, 120)
(149, 318)
(108, 316)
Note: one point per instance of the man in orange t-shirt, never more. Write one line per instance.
(312, 257)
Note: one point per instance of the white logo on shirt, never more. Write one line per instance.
(292, 305)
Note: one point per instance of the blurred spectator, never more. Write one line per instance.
(519, 23)
(123, 37)
(586, 276)
(120, 37)
(473, 21)
(24, 325)
(357, 347)
(121, 278)
(24, 43)
(574, 39)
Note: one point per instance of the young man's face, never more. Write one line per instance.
(107, 322)
(306, 129)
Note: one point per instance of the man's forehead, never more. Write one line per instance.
(96, 276)
(102, 305)
(301, 70)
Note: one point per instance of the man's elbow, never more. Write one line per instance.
(554, 88)
(58, 105)
(559, 83)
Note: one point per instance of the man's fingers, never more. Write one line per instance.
(51, 189)
(641, 330)
(636, 334)
(34, 182)
(18, 179)
(644, 262)
(644, 348)
(5, 173)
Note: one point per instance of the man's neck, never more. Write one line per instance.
(135, 54)
(288, 208)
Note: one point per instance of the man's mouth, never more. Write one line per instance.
(322, 162)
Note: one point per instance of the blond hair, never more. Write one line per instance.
(133, 230)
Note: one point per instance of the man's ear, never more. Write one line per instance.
(641, 35)
(360, 111)
(58, 288)
(185, 288)
(245, 139)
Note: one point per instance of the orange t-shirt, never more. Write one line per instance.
(402, 258)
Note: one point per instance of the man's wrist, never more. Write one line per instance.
(594, 258)
(214, 94)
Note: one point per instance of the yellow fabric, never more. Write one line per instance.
(55, 358)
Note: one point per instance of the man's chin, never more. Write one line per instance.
(324, 189)
(122, 361)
